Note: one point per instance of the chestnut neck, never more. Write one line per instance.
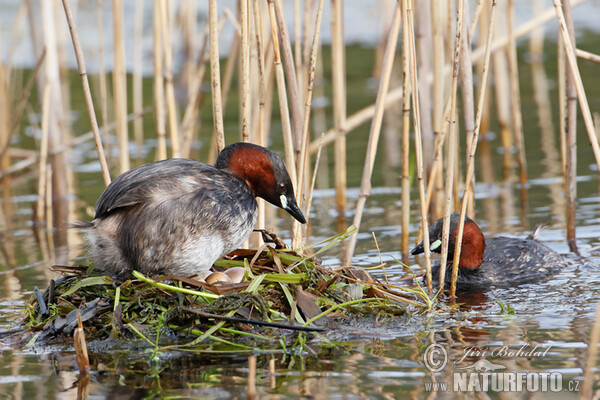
(473, 246)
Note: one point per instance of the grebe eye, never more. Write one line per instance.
(282, 187)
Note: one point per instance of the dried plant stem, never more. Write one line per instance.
(568, 100)
(138, 87)
(245, 71)
(338, 77)
(159, 88)
(120, 85)
(515, 97)
(586, 55)
(406, 57)
(523, 30)
(168, 79)
(395, 95)
(83, 360)
(191, 110)
(230, 65)
(312, 185)
(104, 109)
(437, 27)
(288, 141)
(251, 377)
(503, 100)
(451, 145)
(290, 74)
(215, 73)
(21, 103)
(568, 38)
(358, 118)
(260, 132)
(592, 356)
(466, 88)
(43, 156)
(365, 186)
(87, 92)
(408, 6)
(473, 149)
(297, 234)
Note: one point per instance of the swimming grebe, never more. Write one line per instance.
(179, 216)
(499, 261)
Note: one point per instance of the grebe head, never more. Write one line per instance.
(473, 242)
(265, 173)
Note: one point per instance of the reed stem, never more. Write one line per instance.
(120, 85)
(473, 149)
(365, 186)
(87, 92)
(218, 129)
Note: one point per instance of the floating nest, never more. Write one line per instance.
(283, 296)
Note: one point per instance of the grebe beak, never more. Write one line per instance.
(289, 204)
(418, 249)
(434, 247)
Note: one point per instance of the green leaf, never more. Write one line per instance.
(91, 281)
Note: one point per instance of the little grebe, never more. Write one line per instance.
(500, 261)
(179, 216)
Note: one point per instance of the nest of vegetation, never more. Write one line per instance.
(283, 297)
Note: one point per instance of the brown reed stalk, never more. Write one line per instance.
(50, 212)
(365, 186)
(215, 74)
(309, 195)
(290, 74)
(245, 71)
(83, 361)
(552, 159)
(437, 27)
(358, 118)
(586, 55)
(21, 103)
(251, 377)
(120, 85)
(188, 122)
(502, 97)
(102, 81)
(168, 79)
(230, 64)
(568, 35)
(523, 30)
(466, 89)
(473, 149)
(406, 57)
(338, 78)
(592, 356)
(41, 197)
(568, 126)
(425, 43)
(288, 140)
(408, 7)
(87, 92)
(451, 144)
(61, 170)
(515, 97)
(258, 27)
(297, 238)
(138, 87)
(298, 47)
(159, 88)
(395, 95)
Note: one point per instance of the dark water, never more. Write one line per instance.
(547, 332)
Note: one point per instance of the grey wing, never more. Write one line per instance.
(136, 186)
